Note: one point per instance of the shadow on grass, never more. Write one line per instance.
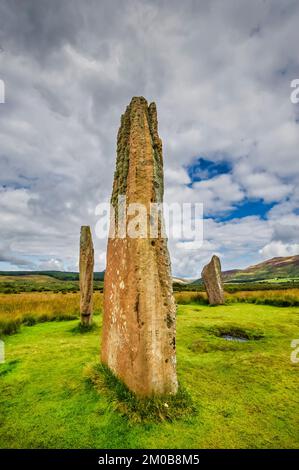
(8, 367)
(82, 329)
(238, 332)
(138, 409)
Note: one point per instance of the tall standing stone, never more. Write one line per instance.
(211, 276)
(138, 342)
(86, 276)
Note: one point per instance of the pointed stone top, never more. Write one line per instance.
(141, 101)
(213, 264)
(85, 235)
(216, 259)
(85, 229)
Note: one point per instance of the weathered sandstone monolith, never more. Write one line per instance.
(86, 276)
(138, 342)
(211, 276)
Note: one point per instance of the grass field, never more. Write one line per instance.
(245, 393)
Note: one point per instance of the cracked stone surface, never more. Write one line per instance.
(86, 276)
(211, 276)
(139, 324)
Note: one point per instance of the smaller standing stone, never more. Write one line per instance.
(211, 276)
(86, 276)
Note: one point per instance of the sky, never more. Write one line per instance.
(220, 74)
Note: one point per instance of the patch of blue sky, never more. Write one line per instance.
(246, 208)
(201, 169)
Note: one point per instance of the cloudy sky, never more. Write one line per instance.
(220, 73)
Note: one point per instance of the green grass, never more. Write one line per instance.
(245, 395)
(279, 280)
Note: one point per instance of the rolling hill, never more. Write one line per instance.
(275, 268)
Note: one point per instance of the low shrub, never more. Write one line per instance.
(184, 298)
(9, 326)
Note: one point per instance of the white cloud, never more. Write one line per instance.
(277, 248)
(261, 185)
(218, 194)
(51, 265)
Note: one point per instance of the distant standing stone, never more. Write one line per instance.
(211, 276)
(86, 276)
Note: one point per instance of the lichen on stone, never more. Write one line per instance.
(137, 108)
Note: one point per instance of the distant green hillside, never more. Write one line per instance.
(61, 275)
(279, 268)
(275, 268)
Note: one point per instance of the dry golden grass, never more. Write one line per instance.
(30, 308)
(188, 297)
(286, 297)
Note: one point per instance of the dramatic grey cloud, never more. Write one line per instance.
(220, 73)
